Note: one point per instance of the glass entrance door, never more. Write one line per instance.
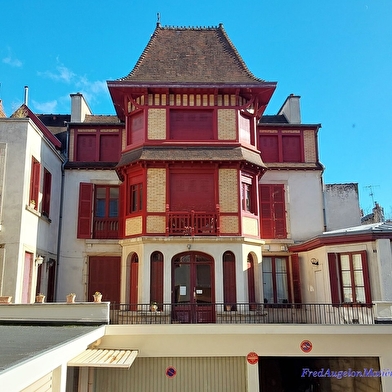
(193, 289)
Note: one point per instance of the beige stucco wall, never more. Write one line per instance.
(171, 341)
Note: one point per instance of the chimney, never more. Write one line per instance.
(79, 108)
(26, 95)
(291, 109)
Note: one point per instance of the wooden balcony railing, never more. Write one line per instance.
(218, 313)
(192, 223)
(105, 228)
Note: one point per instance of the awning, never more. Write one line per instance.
(104, 358)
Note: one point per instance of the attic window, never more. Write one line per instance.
(191, 124)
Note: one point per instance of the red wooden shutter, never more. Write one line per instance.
(267, 227)
(134, 279)
(333, 277)
(35, 181)
(229, 279)
(46, 193)
(269, 148)
(85, 210)
(191, 124)
(109, 148)
(279, 211)
(86, 148)
(296, 278)
(156, 279)
(273, 211)
(251, 283)
(104, 276)
(366, 279)
(291, 148)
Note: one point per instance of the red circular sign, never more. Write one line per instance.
(306, 346)
(252, 358)
(171, 372)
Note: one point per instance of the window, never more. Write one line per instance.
(98, 211)
(273, 211)
(98, 146)
(191, 124)
(136, 128)
(46, 193)
(281, 147)
(349, 277)
(156, 279)
(277, 280)
(136, 198)
(247, 197)
(35, 182)
(229, 281)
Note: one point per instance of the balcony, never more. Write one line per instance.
(105, 228)
(218, 313)
(192, 223)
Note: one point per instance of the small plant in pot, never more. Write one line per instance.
(153, 306)
(97, 296)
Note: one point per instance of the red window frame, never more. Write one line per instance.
(135, 198)
(336, 278)
(273, 211)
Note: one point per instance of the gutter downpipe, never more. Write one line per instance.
(61, 213)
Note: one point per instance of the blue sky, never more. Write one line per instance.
(335, 54)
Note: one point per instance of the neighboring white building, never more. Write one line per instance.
(30, 189)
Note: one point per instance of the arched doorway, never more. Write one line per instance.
(193, 288)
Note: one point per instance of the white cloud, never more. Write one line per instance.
(13, 62)
(62, 74)
(45, 107)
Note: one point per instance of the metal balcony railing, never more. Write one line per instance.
(242, 313)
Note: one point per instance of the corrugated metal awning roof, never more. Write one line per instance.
(104, 358)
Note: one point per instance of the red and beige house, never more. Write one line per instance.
(206, 224)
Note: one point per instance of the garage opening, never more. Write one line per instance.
(318, 374)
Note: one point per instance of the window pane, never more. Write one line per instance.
(100, 208)
(360, 294)
(345, 262)
(346, 278)
(357, 262)
(280, 265)
(267, 264)
(268, 288)
(347, 295)
(113, 208)
(100, 193)
(281, 288)
(358, 278)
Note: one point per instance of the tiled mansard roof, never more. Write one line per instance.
(190, 55)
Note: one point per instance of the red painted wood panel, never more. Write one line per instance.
(104, 276)
(188, 124)
(192, 191)
(85, 210)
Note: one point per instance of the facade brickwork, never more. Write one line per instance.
(71, 153)
(310, 146)
(133, 226)
(156, 124)
(228, 190)
(227, 124)
(229, 225)
(156, 224)
(156, 190)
